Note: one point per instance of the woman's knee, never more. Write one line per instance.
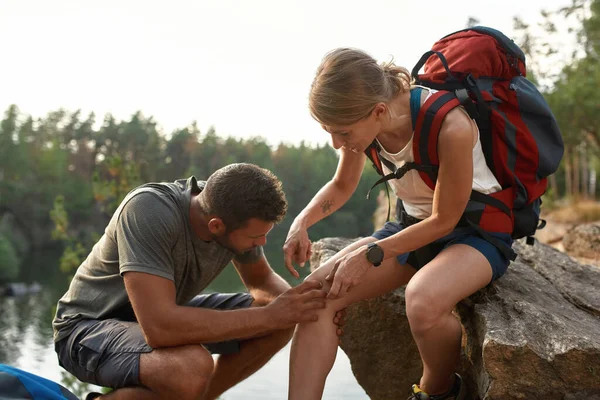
(190, 370)
(320, 274)
(423, 308)
(326, 267)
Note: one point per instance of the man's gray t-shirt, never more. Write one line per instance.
(150, 232)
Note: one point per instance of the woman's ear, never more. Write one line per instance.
(380, 110)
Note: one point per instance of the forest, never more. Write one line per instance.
(63, 174)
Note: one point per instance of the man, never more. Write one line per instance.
(132, 318)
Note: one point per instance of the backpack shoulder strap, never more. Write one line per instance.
(373, 150)
(427, 131)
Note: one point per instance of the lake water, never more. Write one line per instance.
(26, 342)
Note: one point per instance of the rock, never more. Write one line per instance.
(583, 241)
(577, 283)
(534, 334)
(553, 232)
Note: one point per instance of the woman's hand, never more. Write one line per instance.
(297, 248)
(348, 271)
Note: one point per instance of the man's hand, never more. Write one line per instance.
(339, 321)
(298, 304)
(347, 272)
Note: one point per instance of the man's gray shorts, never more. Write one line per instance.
(107, 352)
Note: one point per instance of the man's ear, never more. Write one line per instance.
(216, 226)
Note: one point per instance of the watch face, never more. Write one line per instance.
(375, 254)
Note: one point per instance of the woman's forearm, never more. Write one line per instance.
(327, 200)
(414, 237)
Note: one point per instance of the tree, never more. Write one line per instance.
(570, 89)
(8, 168)
(9, 261)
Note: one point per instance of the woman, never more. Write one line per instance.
(356, 100)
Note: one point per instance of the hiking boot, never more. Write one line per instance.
(457, 392)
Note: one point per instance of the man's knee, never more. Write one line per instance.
(189, 370)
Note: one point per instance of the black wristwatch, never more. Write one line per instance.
(374, 254)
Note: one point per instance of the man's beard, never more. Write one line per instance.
(223, 241)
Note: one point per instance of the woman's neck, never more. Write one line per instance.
(397, 129)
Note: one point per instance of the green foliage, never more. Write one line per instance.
(74, 252)
(74, 177)
(72, 257)
(59, 216)
(113, 181)
(9, 261)
(93, 166)
(108, 194)
(566, 60)
(78, 388)
(549, 200)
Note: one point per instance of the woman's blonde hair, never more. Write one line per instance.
(349, 83)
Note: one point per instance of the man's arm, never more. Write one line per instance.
(166, 324)
(144, 232)
(258, 277)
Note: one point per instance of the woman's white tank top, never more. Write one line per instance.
(416, 196)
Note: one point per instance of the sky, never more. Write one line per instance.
(242, 66)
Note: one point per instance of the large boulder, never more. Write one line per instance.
(583, 241)
(534, 334)
(554, 232)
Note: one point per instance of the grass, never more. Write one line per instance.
(575, 212)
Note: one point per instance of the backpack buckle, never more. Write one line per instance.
(463, 96)
(470, 80)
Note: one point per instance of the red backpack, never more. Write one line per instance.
(484, 71)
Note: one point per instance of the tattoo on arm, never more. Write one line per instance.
(326, 206)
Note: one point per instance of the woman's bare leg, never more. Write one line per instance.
(314, 345)
(431, 295)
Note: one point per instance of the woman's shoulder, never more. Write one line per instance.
(457, 132)
(457, 124)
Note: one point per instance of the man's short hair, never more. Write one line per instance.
(239, 192)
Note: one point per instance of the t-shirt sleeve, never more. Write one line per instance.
(251, 256)
(145, 230)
